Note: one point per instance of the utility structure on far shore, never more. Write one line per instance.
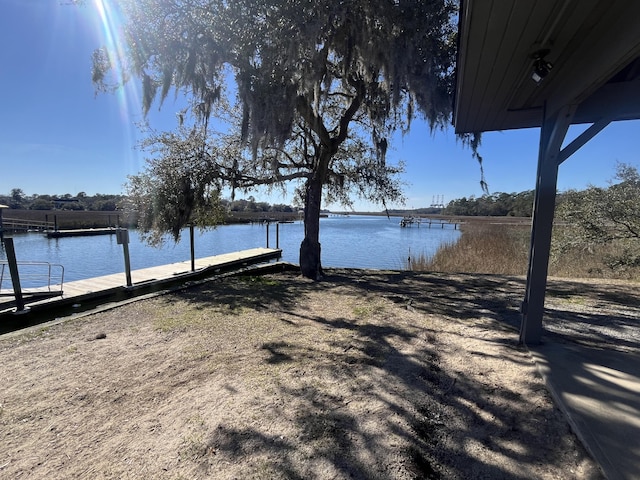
(547, 64)
(437, 201)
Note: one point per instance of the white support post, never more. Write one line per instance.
(552, 135)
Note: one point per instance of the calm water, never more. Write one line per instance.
(354, 241)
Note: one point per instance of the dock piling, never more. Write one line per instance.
(15, 277)
(122, 237)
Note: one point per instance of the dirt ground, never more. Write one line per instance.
(365, 375)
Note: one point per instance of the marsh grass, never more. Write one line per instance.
(504, 249)
(482, 248)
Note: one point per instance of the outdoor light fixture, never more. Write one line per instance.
(541, 67)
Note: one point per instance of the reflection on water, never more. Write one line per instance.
(347, 241)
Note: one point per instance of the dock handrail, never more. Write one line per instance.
(36, 277)
(9, 224)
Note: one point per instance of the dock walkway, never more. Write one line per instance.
(114, 285)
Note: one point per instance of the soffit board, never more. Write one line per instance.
(590, 42)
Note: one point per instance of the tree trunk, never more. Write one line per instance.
(310, 264)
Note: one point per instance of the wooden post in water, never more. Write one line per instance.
(277, 235)
(15, 277)
(267, 234)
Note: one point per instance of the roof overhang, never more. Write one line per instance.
(593, 46)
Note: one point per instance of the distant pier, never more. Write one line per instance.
(81, 232)
(410, 221)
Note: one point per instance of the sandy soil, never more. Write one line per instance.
(366, 375)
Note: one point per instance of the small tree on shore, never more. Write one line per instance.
(599, 216)
(178, 187)
(309, 76)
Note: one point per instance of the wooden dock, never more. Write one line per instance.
(80, 232)
(409, 221)
(113, 287)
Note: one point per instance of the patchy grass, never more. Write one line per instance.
(366, 375)
(260, 280)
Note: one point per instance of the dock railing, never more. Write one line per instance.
(36, 278)
(17, 224)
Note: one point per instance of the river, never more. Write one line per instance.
(354, 241)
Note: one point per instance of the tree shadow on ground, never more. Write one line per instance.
(593, 314)
(386, 370)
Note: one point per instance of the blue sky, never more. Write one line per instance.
(58, 136)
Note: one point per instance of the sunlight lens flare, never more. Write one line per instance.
(129, 99)
(112, 35)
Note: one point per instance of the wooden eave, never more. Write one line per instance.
(594, 47)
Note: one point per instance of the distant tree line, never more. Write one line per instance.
(494, 205)
(250, 205)
(414, 211)
(17, 199)
(498, 204)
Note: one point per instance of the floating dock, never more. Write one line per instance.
(80, 232)
(113, 287)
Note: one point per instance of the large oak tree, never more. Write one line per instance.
(308, 75)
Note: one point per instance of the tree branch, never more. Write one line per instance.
(345, 120)
(314, 121)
